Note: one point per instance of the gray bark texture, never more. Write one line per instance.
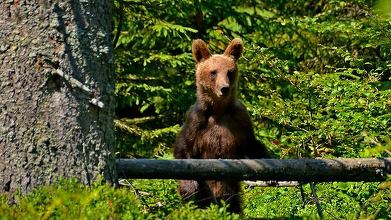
(56, 92)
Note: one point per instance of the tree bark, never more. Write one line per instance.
(303, 170)
(56, 92)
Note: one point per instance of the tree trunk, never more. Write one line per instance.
(303, 170)
(56, 92)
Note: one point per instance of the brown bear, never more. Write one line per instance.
(217, 125)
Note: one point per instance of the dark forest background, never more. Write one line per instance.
(315, 75)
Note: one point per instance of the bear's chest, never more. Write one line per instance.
(220, 138)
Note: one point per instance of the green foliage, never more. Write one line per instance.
(72, 200)
(315, 77)
(152, 55)
(338, 201)
(157, 199)
(321, 83)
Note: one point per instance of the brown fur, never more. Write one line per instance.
(217, 125)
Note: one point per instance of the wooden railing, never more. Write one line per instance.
(303, 170)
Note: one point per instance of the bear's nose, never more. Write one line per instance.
(225, 90)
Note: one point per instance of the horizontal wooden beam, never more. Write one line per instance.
(304, 170)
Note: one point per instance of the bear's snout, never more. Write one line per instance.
(224, 91)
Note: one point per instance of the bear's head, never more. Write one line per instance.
(216, 75)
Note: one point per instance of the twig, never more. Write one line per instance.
(302, 193)
(96, 102)
(125, 182)
(76, 83)
(316, 200)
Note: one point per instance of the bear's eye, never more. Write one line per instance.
(213, 74)
(230, 74)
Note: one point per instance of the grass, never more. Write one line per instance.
(158, 199)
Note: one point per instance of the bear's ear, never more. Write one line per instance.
(235, 49)
(200, 50)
